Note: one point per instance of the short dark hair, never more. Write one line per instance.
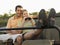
(18, 6)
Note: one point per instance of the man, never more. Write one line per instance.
(14, 22)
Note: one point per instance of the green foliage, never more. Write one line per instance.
(4, 18)
(3, 23)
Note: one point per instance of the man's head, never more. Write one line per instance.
(19, 10)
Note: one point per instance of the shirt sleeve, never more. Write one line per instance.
(8, 24)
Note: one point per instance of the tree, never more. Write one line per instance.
(5, 16)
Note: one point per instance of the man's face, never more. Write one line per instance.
(19, 11)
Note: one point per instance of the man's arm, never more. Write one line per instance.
(9, 26)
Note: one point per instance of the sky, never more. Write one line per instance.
(7, 6)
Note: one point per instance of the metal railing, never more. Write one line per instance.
(23, 28)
